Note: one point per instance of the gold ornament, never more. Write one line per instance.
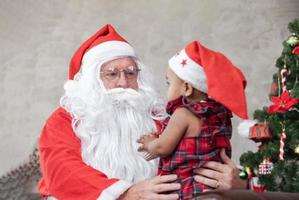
(248, 171)
(297, 149)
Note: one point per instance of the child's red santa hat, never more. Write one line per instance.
(212, 73)
(104, 45)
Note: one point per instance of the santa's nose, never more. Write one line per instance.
(122, 80)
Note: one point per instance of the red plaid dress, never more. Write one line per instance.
(193, 152)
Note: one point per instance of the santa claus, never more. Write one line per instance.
(88, 147)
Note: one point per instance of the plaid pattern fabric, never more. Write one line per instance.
(193, 152)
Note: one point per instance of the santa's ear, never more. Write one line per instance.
(188, 89)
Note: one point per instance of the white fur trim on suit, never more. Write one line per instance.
(188, 70)
(108, 50)
(115, 190)
(111, 193)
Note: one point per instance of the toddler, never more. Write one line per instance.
(204, 87)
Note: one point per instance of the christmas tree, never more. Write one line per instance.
(275, 166)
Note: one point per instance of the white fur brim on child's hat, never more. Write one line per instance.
(106, 44)
(212, 73)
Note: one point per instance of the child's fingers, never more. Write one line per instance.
(141, 148)
(152, 134)
(149, 157)
(141, 139)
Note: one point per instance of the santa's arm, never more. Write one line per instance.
(65, 175)
(169, 139)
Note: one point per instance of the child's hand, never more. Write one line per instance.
(145, 140)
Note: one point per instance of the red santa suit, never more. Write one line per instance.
(65, 174)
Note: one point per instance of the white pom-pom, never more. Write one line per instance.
(244, 127)
(71, 86)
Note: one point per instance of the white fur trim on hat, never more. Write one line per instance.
(107, 50)
(188, 70)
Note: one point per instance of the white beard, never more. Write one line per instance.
(108, 123)
(108, 136)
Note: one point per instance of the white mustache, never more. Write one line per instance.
(122, 91)
(123, 98)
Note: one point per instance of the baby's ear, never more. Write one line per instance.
(188, 89)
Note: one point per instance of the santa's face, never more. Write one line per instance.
(120, 73)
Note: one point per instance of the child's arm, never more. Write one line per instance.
(168, 140)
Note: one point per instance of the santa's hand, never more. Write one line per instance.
(152, 189)
(220, 176)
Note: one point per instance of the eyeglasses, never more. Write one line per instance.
(130, 72)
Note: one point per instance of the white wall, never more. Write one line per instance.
(38, 38)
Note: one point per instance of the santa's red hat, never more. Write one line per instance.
(105, 44)
(211, 72)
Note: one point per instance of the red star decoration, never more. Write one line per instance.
(283, 103)
(184, 62)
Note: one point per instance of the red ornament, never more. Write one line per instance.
(260, 132)
(259, 188)
(255, 185)
(283, 103)
(296, 50)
